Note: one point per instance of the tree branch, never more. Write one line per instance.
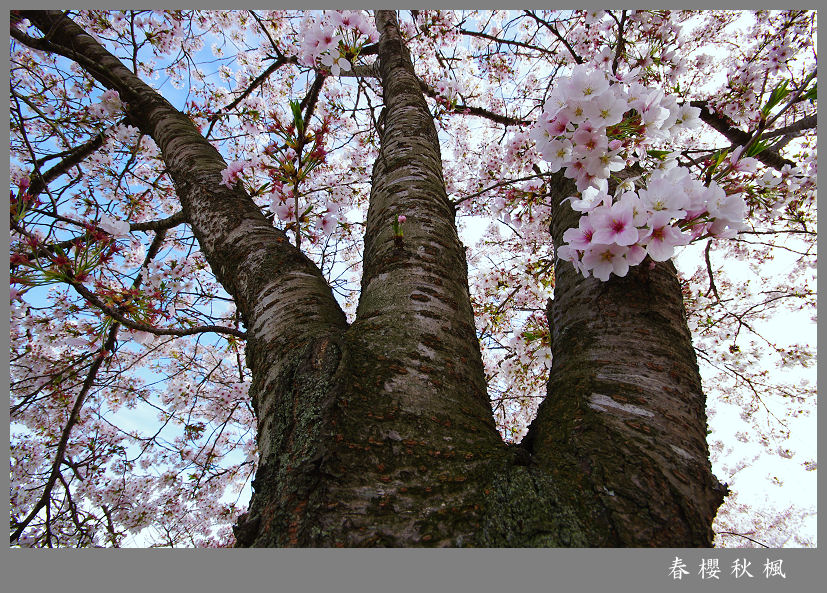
(712, 288)
(259, 80)
(73, 157)
(496, 185)
(556, 33)
(621, 41)
(478, 111)
(738, 137)
(805, 123)
(67, 429)
(504, 41)
(145, 327)
(230, 228)
(162, 224)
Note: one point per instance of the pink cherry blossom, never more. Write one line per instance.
(116, 228)
(337, 64)
(662, 238)
(569, 254)
(590, 198)
(604, 260)
(581, 237)
(327, 224)
(614, 224)
(664, 194)
(606, 109)
(557, 153)
(589, 140)
(172, 490)
(232, 173)
(559, 125)
(585, 82)
(286, 211)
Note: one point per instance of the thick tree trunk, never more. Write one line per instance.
(624, 423)
(407, 422)
(381, 433)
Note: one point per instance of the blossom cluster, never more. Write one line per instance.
(674, 209)
(762, 54)
(448, 88)
(594, 128)
(320, 41)
(110, 104)
(232, 173)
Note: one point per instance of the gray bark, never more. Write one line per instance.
(624, 421)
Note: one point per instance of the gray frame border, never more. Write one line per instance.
(402, 570)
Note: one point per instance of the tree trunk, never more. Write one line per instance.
(623, 425)
(381, 433)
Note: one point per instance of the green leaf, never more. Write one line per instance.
(658, 154)
(530, 336)
(261, 189)
(777, 95)
(716, 158)
(757, 147)
(295, 107)
(810, 95)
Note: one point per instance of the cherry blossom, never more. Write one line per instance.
(232, 173)
(605, 259)
(661, 237)
(614, 224)
(116, 228)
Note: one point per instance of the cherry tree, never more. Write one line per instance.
(236, 254)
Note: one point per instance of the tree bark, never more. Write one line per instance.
(381, 433)
(623, 425)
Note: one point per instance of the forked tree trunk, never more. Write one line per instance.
(381, 433)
